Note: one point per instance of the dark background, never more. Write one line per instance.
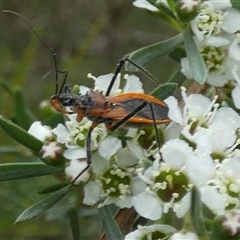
(89, 37)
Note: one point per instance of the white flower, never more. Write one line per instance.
(40, 132)
(133, 84)
(209, 149)
(113, 180)
(73, 135)
(77, 171)
(147, 232)
(214, 29)
(146, 5)
(236, 90)
(168, 188)
(213, 20)
(220, 62)
(197, 108)
(184, 236)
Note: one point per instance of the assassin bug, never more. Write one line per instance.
(132, 109)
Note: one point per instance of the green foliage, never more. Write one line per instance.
(196, 213)
(197, 65)
(43, 205)
(12, 171)
(23, 90)
(145, 55)
(73, 218)
(109, 225)
(20, 135)
(164, 91)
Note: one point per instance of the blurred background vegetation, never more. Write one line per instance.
(89, 37)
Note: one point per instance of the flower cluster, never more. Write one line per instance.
(112, 175)
(199, 149)
(215, 31)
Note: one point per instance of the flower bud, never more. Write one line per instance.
(187, 10)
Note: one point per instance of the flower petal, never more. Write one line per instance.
(147, 205)
(133, 84)
(231, 22)
(39, 131)
(61, 132)
(145, 4)
(74, 168)
(175, 152)
(174, 110)
(92, 193)
(109, 146)
(75, 153)
(217, 203)
(102, 83)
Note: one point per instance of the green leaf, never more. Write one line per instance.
(236, 4)
(20, 110)
(73, 217)
(196, 213)
(196, 62)
(20, 135)
(166, 14)
(6, 86)
(145, 55)
(109, 224)
(164, 91)
(52, 188)
(9, 149)
(177, 77)
(43, 205)
(12, 171)
(177, 54)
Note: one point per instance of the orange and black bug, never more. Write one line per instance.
(131, 109)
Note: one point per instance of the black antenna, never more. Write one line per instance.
(57, 91)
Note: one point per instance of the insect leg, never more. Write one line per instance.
(127, 117)
(138, 109)
(155, 127)
(89, 154)
(119, 69)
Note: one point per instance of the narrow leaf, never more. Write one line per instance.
(109, 224)
(12, 171)
(52, 188)
(177, 77)
(196, 62)
(20, 135)
(20, 110)
(177, 54)
(145, 55)
(6, 86)
(8, 149)
(196, 213)
(164, 91)
(43, 205)
(73, 218)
